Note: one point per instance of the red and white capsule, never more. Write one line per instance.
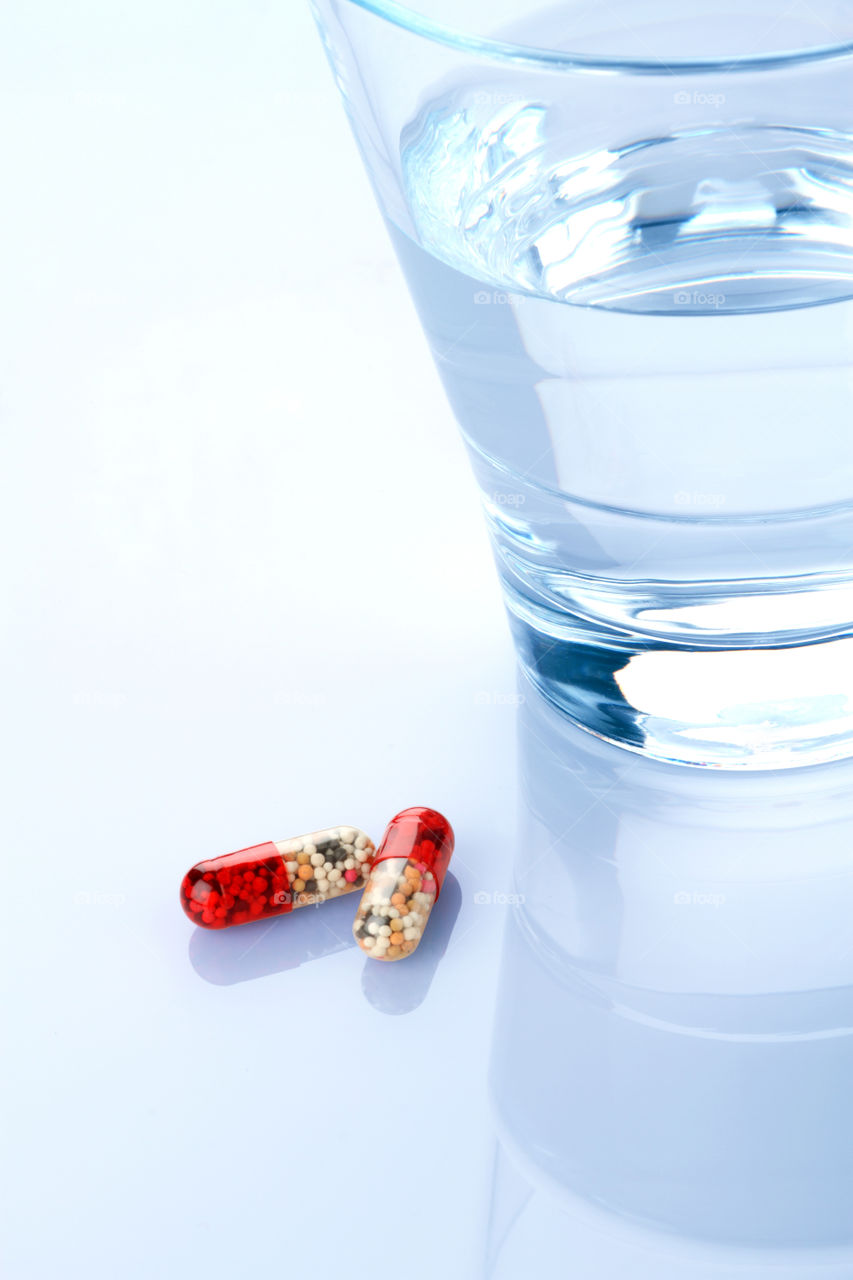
(404, 883)
(277, 877)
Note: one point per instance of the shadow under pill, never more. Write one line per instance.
(401, 985)
(258, 950)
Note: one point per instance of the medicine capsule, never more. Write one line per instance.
(274, 878)
(404, 883)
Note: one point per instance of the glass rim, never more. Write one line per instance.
(554, 60)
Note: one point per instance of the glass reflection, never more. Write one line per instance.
(672, 1067)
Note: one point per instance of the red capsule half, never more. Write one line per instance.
(404, 883)
(274, 878)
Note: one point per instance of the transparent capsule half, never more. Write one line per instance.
(404, 884)
(277, 877)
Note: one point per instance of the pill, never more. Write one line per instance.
(406, 874)
(272, 879)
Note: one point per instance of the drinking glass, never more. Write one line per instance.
(627, 226)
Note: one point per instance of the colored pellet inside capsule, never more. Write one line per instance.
(274, 878)
(404, 883)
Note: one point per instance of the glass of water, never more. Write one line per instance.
(628, 230)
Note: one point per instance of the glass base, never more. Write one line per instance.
(725, 708)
